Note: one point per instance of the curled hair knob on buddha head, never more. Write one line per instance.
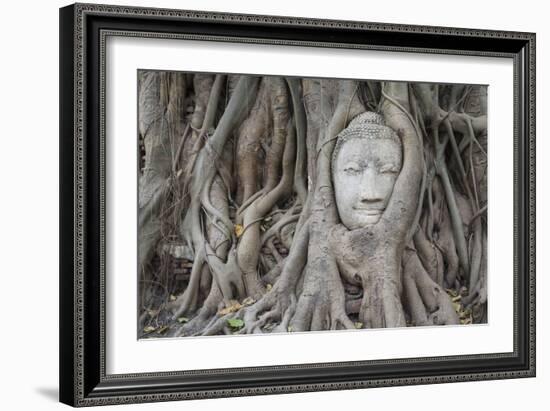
(369, 125)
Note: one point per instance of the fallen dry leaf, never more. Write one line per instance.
(239, 229)
(248, 301)
(234, 306)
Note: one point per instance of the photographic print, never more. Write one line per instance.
(283, 204)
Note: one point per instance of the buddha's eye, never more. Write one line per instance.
(389, 169)
(352, 168)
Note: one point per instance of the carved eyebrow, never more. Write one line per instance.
(389, 167)
(352, 164)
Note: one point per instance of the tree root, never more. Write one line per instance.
(427, 302)
(277, 303)
(430, 255)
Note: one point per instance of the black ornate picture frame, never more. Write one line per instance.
(84, 29)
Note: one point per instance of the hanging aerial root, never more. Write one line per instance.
(249, 138)
(300, 172)
(249, 247)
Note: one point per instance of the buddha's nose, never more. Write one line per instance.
(370, 191)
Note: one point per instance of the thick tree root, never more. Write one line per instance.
(427, 302)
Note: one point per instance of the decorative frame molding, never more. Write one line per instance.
(83, 32)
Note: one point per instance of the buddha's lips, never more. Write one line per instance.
(369, 211)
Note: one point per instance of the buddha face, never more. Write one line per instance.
(364, 174)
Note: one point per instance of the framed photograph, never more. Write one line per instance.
(261, 204)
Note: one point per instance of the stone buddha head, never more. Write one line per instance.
(366, 162)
